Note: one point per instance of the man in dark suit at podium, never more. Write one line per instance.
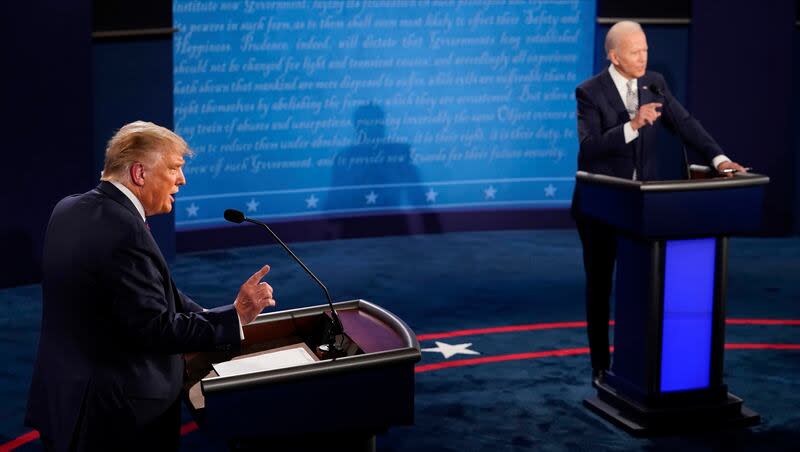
(109, 367)
(620, 112)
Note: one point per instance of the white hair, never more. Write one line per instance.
(618, 30)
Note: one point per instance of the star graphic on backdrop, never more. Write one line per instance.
(192, 210)
(431, 195)
(311, 202)
(252, 206)
(448, 350)
(550, 191)
(372, 197)
(489, 192)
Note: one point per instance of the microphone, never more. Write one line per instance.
(234, 216)
(329, 341)
(655, 89)
(658, 91)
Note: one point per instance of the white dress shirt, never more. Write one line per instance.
(136, 203)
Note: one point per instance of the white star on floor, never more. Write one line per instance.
(489, 192)
(550, 191)
(431, 195)
(252, 206)
(448, 350)
(311, 202)
(372, 197)
(192, 210)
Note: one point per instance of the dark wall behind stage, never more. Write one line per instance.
(742, 86)
(66, 92)
(47, 123)
(73, 76)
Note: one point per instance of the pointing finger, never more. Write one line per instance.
(258, 275)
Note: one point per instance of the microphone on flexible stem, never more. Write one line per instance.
(658, 91)
(655, 89)
(329, 341)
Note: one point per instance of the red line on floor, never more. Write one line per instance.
(501, 329)
(33, 435)
(558, 325)
(762, 322)
(500, 358)
(188, 427)
(762, 346)
(570, 352)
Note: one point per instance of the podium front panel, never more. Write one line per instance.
(701, 213)
(687, 323)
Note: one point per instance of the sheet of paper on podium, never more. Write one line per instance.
(290, 356)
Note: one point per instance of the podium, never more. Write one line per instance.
(327, 404)
(671, 277)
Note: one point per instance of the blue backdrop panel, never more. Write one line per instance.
(308, 109)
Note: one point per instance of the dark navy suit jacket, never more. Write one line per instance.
(114, 326)
(602, 115)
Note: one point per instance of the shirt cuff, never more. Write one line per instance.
(630, 134)
(241, 330)
(719, 159)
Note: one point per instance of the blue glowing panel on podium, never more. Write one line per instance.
(688, 314)
(306, 109)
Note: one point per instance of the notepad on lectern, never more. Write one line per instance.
(290, 356)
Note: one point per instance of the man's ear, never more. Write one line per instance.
(612, 57)
(137, 174)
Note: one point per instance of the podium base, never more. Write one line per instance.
(639, 420)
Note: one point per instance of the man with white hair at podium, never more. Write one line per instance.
(620, 113)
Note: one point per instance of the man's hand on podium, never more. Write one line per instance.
(253, 297)
(730, 168)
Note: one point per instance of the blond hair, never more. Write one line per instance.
(135, 142)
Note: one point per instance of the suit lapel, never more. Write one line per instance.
(611, 93)
(645, 94)
(647, 134)
(108, 189)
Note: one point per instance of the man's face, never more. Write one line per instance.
(630, 56)
(163, 175)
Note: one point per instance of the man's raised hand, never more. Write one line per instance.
(647, 115)
(254, 295)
